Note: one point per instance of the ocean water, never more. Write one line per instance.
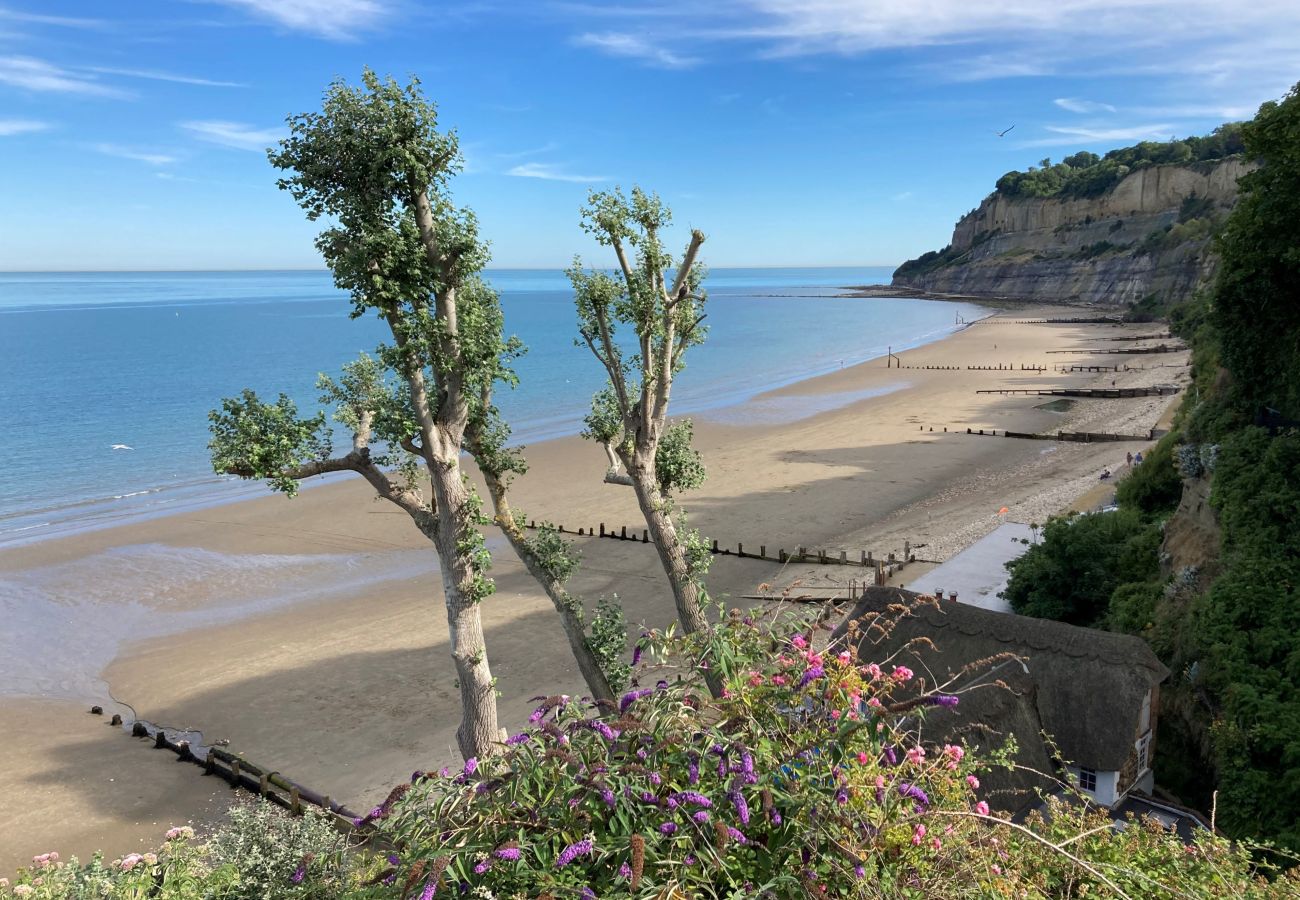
(93, 360)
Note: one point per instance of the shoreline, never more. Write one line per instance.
(349, 691)
(204, 492)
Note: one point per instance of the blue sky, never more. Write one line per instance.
(794, 132)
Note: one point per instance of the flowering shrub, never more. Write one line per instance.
(805, 779)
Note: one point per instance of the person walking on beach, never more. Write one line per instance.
(1137, 460)
(1130, 458)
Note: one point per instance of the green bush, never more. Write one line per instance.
(1155, 487)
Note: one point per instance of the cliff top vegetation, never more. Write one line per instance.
(1085, 174)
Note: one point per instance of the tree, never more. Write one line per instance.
(373, 162)
(629, 416)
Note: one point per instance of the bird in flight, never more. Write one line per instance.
(1004, 132)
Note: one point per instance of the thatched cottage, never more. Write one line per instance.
(1094, 693)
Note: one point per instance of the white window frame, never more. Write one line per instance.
(1085, 776)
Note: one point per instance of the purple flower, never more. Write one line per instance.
(519, 738)
(631, 697)
(913, 792)
(510, 854)
(667, 828)
(573, 851)
(608, 796)
(636, 654)
(688, 860)
(625, 871)
(742, 808)
(587, 894)
(942, 700)
(655, 778)
(891, 756)
(693, 770)
(299, 873)
(811, 675)
(841, 796)
(701, 816)
(859, 872)
(471, 766)
(483, 867)
(695, 798)
(392, 859)
(776, 817)
(737, 835)
(429, 887)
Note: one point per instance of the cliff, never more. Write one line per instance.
(1148, 234)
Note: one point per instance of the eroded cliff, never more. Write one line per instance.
(1148, 235)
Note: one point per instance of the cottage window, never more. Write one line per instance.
(1144, 752)
(1088, 780)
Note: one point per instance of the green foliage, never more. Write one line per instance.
(1255, 310)
(263, 849)
(1085, 174)
(607, 637)
(1155, 487)
(928, 262)
(255, 439)
(557, 557)
(678, 466)
(1070, 575)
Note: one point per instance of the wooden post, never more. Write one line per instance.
(762, 551)
(907, 551)
(715, 545)
(210, 763)
(645, 536)
(580, 531)
(821, 556)
(159, 740)
(740, 549)
(602, 529)
(844, 557)
(183, 751)
(622, 535)
(862, 561)
(295, 802)
(234, 773)
(263, 784)
(780, 557)
(327, 804)
(138, 729)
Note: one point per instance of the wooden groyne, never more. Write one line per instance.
(269, 784)
(1036, 368)
(1101, 393)
(1132, 351)
(866, 559)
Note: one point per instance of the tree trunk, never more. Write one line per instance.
(565, 604)
(686, 593)
(478, 731)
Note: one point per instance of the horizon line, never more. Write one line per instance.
(182, 269)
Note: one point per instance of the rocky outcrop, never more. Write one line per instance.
(1149, 234)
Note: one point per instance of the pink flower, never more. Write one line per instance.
(954, 754)
(918, 835)
(755, 679)
(902, 674)
(835, 714)
(863, 759)
(845, 657)
(875, 703)
(982, 808)
(873, 670)
(778, 680)
(799, 641)
(936, 843)
(973, 782)
(996, 870)
(916, 755)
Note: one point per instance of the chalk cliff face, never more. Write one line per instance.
(1149, 234)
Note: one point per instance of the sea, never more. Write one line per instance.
(107, 378)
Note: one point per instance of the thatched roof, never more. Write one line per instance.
(1015, 674)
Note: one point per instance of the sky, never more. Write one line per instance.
(793, 132)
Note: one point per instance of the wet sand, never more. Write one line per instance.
(310, 633)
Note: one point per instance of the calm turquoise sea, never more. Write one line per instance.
(92, 360)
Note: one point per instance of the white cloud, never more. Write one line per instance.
(21, 126)
(549, 172)
(14, 15)
(338, 20)
(1083, 107)
(233, 134)
(144, 156)
(617, 43)
(154, 75)
(31, 74)
(1067, 136)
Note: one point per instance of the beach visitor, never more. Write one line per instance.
(1137, 460)
(1130, 458)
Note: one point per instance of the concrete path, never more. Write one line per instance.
(978, 573)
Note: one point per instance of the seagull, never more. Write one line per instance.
(121, 447)
(1004, 132)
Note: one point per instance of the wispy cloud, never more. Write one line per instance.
(548, 147)
(144, 156)
(1083, 107)
(616, 43)
(1067, 136)
(337, 20)
(233, 134)
(31, 74)
(549, 172)
(21, 126)
(15, 15)
(155, 75)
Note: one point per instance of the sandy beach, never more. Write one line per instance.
(310, 633)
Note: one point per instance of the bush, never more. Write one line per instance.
(269, 854)
(1155, 487)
